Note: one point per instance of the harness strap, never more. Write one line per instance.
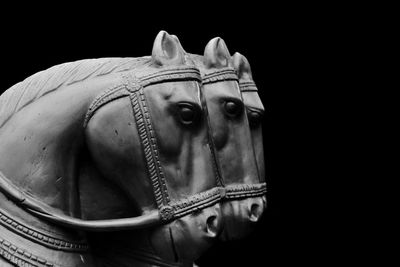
(223, 74)
(21, 258)
(245, 190)
(247, 86)
(236, 191)
(43, 211)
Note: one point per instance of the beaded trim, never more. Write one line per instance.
(41, 238)
(103, 99)
(173, 74)
(148, 141)
(198, 201)
(248, 86)
(246, 190)
(21, 258)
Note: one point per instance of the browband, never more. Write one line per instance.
(247, 86)
(170, 74)
(224, 74)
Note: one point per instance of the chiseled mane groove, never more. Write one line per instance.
(44, 82)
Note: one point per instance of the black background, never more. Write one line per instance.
(286, 50)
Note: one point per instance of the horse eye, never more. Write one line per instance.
(233, 109)
(254, 117)
(187, 113)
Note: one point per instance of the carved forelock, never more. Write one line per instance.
(59, 76)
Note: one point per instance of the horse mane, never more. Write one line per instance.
(44, 82)
(198, 60)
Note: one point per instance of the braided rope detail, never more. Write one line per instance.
(41, 238)
(225, 74)
(248, 86)
(104, 98)
(154, 148)
(198, 201)
(173, 74)
(246, 190)
(149, 148)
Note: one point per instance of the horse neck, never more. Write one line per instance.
(40, 144)
(39, 153)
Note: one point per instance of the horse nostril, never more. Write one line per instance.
(212, 225)
(264, 199)
(255, 212)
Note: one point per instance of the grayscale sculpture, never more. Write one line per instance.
(130, 161)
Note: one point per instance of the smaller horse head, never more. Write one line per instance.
(254, 107)
(232, 140)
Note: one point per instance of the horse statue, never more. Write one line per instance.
(120, 161)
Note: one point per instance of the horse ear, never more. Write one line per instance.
(216, 54)
(178, 42)
(242, 66)
(167, 50)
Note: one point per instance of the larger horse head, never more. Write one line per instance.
(115, 144)
(158, 152)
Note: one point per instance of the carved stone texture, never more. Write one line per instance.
(130, 161)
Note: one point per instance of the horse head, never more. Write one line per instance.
(148, 137)
(232, 142)
(254, 107)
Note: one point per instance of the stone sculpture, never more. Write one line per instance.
(130, 161)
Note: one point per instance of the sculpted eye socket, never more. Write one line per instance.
(255, 117)
(188, 113)
(232, 108)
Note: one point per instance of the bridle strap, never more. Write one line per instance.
(245, 191)
(247, 86)
(223, 74)
(43, 211)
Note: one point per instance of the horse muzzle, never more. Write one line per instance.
(188, 237)
(242, 209)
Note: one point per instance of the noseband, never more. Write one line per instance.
(247, 86)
